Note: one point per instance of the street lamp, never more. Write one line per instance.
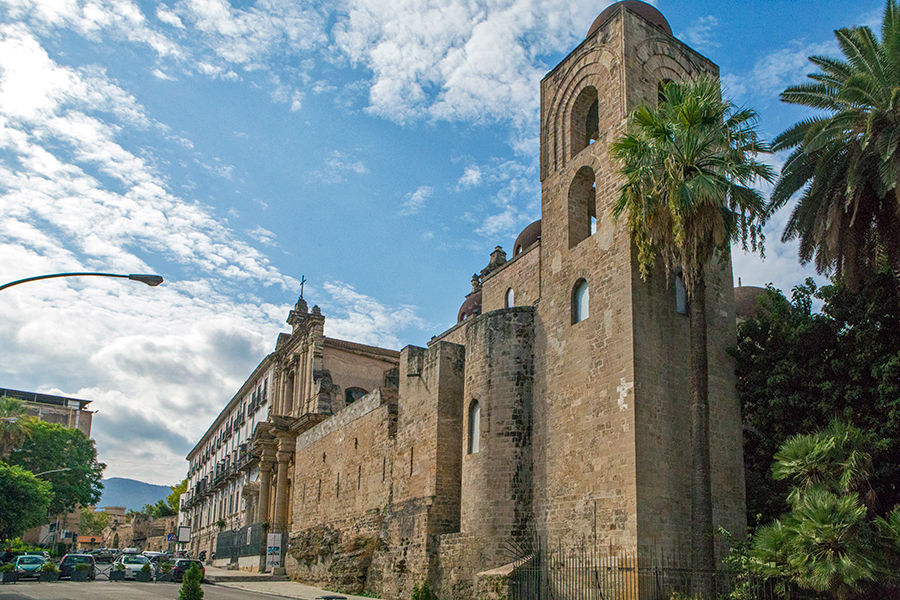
(151, 280)
(53, 471)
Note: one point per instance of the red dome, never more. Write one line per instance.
(470, 308)
(641, 9)
(529, 235)
(746, 300)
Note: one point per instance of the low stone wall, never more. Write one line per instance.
(493, 584)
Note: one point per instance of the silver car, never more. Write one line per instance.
(133, 563)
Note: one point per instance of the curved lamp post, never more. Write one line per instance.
(53, 471)
(151, 280)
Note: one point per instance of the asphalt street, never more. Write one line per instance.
(105, 590)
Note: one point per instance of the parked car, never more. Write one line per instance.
(69, 561)
(133, 563)
(29, 565)
(183, 564)
(104, 555)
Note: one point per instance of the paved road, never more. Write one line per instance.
(105, 590)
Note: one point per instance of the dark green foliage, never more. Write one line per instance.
(23, 501)
(422, 592)
(798, 369)
(49, 447)
(174, 499)
(831, 541)
(190, 584)
(158, 510)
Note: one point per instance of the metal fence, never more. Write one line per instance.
(590, 573)
(246, 541)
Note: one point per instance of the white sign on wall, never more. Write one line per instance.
(273, 550)
(184, 534)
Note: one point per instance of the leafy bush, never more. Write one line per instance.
(422, 593)
(166, 567)
(82, 567)
(7, 568)
(49, 567)
(146, 568)
(190, 585)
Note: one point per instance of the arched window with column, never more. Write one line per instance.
(580, 301)
(474, 428)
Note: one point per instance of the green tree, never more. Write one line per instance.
(190, 585)
(174, 499)
(13, 424)
(796, 369)
(158, 510)
(830, 541)
(688, 167)
(847, 160)
(91, 522)
(24, 500)
(50, 447)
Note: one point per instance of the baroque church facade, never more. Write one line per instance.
(557, 406)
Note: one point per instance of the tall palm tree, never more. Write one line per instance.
(13, 424)
(689, 165)
(847, 160)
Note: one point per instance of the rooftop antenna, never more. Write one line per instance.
(302, 281)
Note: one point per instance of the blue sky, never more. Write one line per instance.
(380, 149)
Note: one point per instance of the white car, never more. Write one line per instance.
(133, 563)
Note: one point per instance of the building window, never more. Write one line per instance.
(661, 90)
(580, 301)
(681, 299)
(582, 206)
(510, 299)
(585, 124)
(474, 427)
(353, 394)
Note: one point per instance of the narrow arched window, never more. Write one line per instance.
(582, 206)
(510, 299)
(474, 427)
(580, 301)
(585, 120)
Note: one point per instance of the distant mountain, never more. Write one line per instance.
(130, 493)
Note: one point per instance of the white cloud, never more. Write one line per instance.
(164, 76)
(774, 72)
(699, 34)
(263, 236)
(336, 165)
(360, 318)
(470, 178)
(457, 60)
(415, 201)
(177, 352)
(168, 17)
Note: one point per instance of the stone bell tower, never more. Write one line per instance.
(611, 435)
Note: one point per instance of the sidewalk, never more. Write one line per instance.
(263, 583)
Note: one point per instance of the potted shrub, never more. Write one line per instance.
(143, 574)
(117, 573)
(166, 572)
(80, 572)
(9, 573)
(190, 586)
(49, 572)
